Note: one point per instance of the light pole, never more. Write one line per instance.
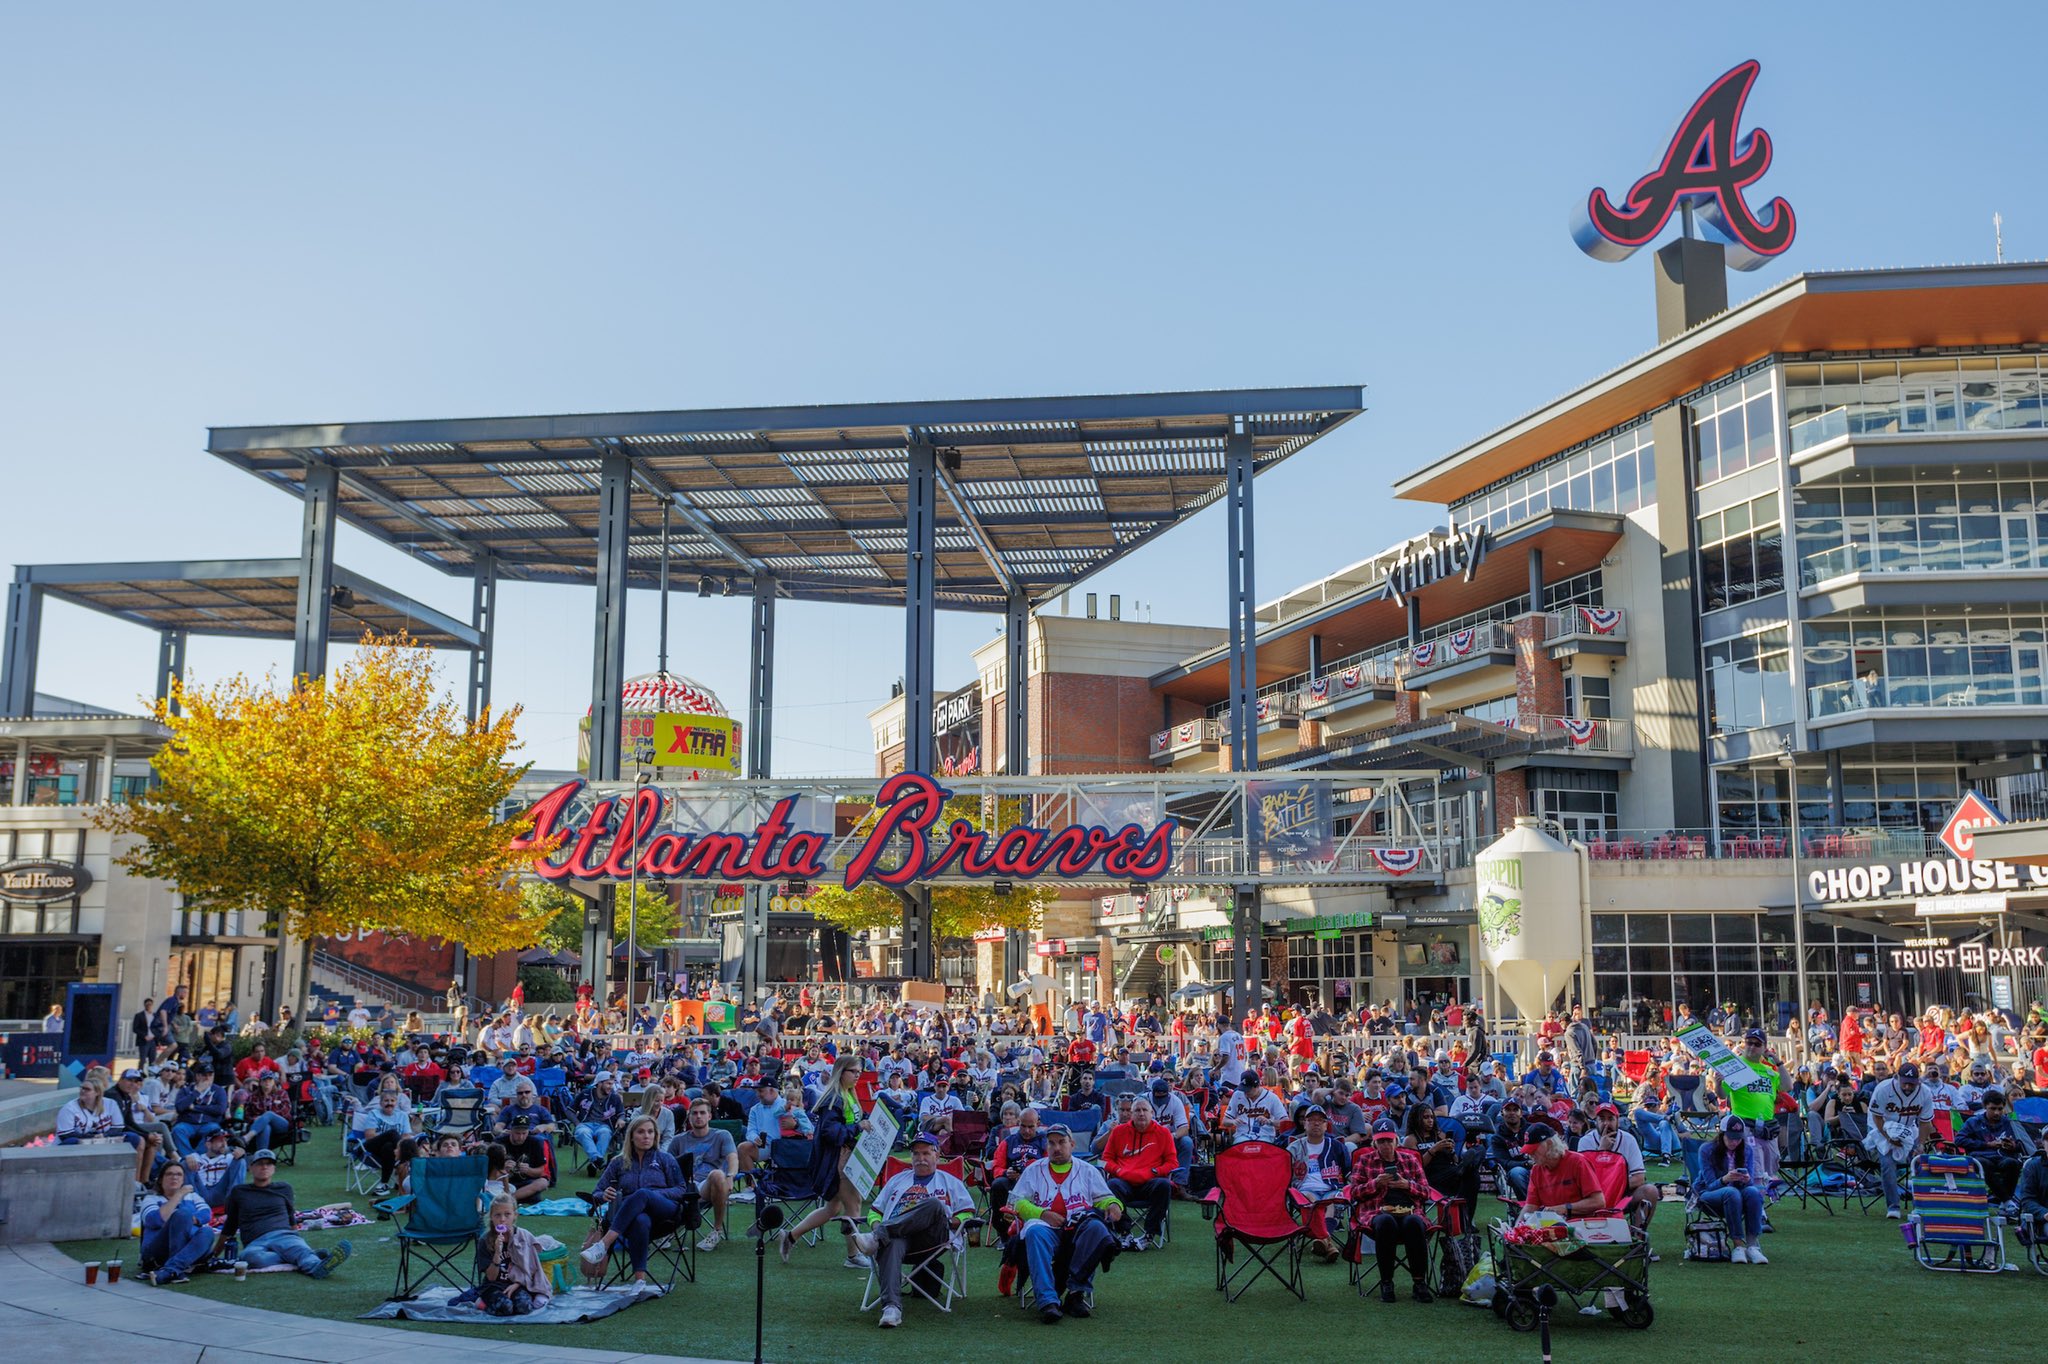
(1790, 761)
(640, 779)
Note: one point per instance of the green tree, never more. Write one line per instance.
(659, 919)
(958, 911)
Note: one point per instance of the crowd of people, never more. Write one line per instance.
(1385, 1115)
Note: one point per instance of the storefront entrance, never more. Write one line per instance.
(33, 973)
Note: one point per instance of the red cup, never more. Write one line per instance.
(113, 1271)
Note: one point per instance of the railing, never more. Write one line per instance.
(374, 984)
(1585, 622)
(1457, 647)
(1361, 674)
(1909, 692)
(1822, 843)
(1964, 554)
(1186, 735)
(1569, 734)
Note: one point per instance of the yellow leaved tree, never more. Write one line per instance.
(957, 911)
(368, 801)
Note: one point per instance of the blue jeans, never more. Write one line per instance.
(176, 1246)
(643, 1217)
(1654, 1131)
(282, 1248)
(323, 1099)
(216, 1193)
(187, 1135)
(595, 1139)
(1741, 1207)
(268, 1129)
(1888, 1175)
(1042, 1245)
(1518, 1180)
(1183, 1152)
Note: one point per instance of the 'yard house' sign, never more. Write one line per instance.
(1460, 552)
(623, 834)
(37, 882)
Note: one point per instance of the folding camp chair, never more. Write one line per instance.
(1951, 1216)
(938, 1275)
(443, 1215)
(462, 1113)
(360, 1172)
(1082, 1121)
(783, 1180)
(965, 1141)
(1443, 1220)
(1256, 1207)
(674, 1248)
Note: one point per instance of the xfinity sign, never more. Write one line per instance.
(1461, 551)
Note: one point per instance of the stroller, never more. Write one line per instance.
(1616, 1276)
(1952, 1216)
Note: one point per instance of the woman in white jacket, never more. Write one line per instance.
(88, 1116)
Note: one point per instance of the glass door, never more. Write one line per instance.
(2022, 549)
(2030, 668)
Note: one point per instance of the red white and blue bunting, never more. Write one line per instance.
(1581, 731)
(1600, 619)
(1425, 654)
(1397, 861)
(1265, 708)
(1461, 641)
(1351, 679)
(1319, 690)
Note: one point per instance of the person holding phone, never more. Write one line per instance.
(1387, 1188)
(1730, 1188)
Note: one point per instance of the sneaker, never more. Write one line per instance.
(1080, 1305)
(597, 1252)
(1891, 1214)
(1655, 1258)
(863, 1243)
(1421, 1293)
(711, 1239)
(1141, 1243)
(1050, 1314)
(743, 1196)
(1739, 1255)
(858, 1262)
(1386, 1290)
(892, 1317)
(380, 1190)
(1756, 1256)
(332, 1260)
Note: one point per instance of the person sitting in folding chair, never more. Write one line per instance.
(1066, 1210)
(1388, 1187)
(1321, 1162)
(912, 1219)
(645, 1197)
(1609, 1135)
(1139, 1160)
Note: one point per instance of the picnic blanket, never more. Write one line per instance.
(329, 1215)
(557, 1207)
(564, 1309)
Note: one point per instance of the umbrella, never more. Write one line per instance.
(1198, 990)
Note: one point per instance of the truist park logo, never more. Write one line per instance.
(1707, 167)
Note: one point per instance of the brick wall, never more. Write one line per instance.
(1081, 723)
(1510, 796)
(1539, 680)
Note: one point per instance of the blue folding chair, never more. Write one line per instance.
(443, 1215)
(550, 1081)
(483, 1077)
(1082, 1121)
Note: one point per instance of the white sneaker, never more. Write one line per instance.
(863, 1242)
(711, 1239)
(1756, 1256)
(1891, 1214)
(743, 1196)
(596, 1253)
(891, 1317)
(859, 1262)
(1739, 1255)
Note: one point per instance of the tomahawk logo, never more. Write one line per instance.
(1707, 165)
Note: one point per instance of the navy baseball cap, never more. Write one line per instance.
(1537, 1134)
(925, 1139)
(1383, 1128)
(1754, 1037)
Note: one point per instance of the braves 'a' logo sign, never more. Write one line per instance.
(1709, 164)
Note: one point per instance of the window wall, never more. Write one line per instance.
(1742, 552)
(1917, 396)
(1733, 429)
(1646, 964)
(1616, 473)
(1916, 524)
(1903, 658)
(1749, 681)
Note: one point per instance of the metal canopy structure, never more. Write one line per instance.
(234, 598)
(1034, 494)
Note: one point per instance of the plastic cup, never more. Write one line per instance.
(113, 1271)
(241, 1270)
(92, 1271)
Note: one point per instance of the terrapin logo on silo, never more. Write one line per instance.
(1500, 900)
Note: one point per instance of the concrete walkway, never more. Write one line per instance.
(49, 1316)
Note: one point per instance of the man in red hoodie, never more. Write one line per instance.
(1139, 1161)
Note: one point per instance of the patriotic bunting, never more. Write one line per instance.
(1319, 690)
(1581, 731)
(1425, 654)
(1397, 861)
(1461, 641)
(1350, 679)
(1601, 620)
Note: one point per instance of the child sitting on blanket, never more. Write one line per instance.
(509, 1278)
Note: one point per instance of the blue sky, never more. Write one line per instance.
(220, 215)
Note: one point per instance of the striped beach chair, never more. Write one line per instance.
(1952, 1226)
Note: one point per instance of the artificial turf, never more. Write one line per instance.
(1839, 1287)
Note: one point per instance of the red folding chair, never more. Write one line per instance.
(1256, 1209)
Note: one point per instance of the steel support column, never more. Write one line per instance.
(759, 741)
(607, 676)
(483, 615)
(1414, 621)
(170, 664)
(1016, 739)
(1242, 608)
(1535, 578)
(1315, 656)
(920, 620)
(23, 641)
(316, 574)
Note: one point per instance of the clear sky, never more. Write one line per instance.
(218, 215)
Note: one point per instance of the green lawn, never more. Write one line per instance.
(1837, 1288)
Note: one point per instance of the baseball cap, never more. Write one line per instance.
(1754, 1037)
(1537, 1134)
(1543, 1056)
(1383, 1128)
(265, 1154)
(1731, 1123)
(518, 1120)
(1161, 1087)
(1059, 1127)
(1910, 1071)
(1314, 1111)
(1601, 1110)
(131, 1074)
(925, 1139)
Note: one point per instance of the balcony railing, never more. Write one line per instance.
(1459, 646)
(1586, 623)
(1569, 734)
(1350, 678)
(1843, 843)
(1965, 554)
(1189, 734)
(1909, 692)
